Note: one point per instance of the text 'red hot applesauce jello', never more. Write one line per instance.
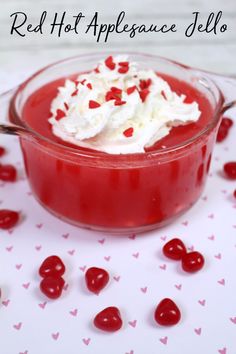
(120, 143)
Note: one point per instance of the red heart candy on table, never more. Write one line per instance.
(52, 287)
(167, 313)
(8, 218)
(96, 279)
(109, 319)
(52, 266)
(192, 262)
(174, 249)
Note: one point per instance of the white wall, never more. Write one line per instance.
(21, 56)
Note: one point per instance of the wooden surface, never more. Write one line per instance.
(21, 56)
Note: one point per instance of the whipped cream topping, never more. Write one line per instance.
(118, 109)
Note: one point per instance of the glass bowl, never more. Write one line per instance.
(116, 193)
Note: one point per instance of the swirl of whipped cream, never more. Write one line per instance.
(118, 109)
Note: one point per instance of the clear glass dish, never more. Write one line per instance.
(116, 193)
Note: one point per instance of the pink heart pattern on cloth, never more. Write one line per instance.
(140, 276)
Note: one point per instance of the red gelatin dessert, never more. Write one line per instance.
(128, 176)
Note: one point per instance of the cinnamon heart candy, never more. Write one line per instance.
(167, 313)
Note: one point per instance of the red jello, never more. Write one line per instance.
(114, 193)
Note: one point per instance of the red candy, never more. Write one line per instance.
(2, 151)
(111, 96)
(222, 134)
(109, 63)
(7, 173)
(226, 122)
(8, 219)
(167, 313)
(235, 193)
(108, 320)
(144, 84)
(52, 266)
(60, 114)
(192, 262)
(174, 249)
(128, 132)
(52, 287)
(118, 102)
(131, 89)
(143, 94)
(75, 93)
(223, 131)
(123, 69)
(96, 279)
(230, 170)
(116, 90)
(163, 95)
(93, 104)
(124, 63)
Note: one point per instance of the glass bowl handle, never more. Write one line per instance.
(5, 126)
(227, 86)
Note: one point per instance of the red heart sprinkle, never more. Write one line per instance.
(123, 63)
(89, 86)
(123, 69)
(167, 313)
(128, 132)
(174, 249)
(144, 84)
(66, 106)
(163, 95)
(108, 319)
(7, 173)
(94, 104)
(52, 287)
(118, 102)
(60, 114)
(8, 219)
(143, 94)
(111, 96)
(131, 89)
(192, 262)
(116, 90)
(229, 169)
(96, 279)
(109, 63)
(75, 93)
(97, 71)
(52, 266)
